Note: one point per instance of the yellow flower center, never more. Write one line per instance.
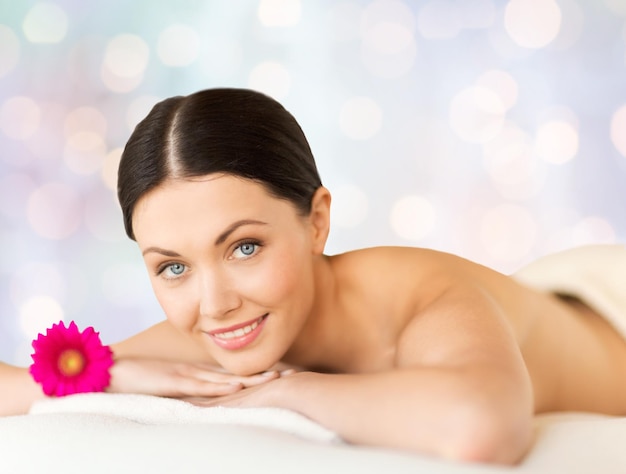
(71, 362)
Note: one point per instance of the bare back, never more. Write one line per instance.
(575, 359)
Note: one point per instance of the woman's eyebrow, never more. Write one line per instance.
(234, 226)
(167, 253)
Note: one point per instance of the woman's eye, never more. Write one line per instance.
(246, 249)
(173, 270)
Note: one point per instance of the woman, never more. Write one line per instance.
(398, 347)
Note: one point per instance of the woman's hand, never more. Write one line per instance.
(180, 380)
(258, 395)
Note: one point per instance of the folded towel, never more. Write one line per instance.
(157, 410)
(595, 274)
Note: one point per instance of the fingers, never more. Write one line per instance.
(181, 379)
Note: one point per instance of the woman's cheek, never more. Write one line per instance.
(177, 307)
(273, 281)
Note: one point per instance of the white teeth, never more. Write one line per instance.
(239, 332)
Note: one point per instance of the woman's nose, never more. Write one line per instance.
(217, 296)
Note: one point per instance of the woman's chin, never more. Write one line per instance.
(246, 369)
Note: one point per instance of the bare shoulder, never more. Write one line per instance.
(421, 268)
(417, 259)
(395, 285)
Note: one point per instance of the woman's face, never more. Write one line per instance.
(231, 266)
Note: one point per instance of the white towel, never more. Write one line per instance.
(157, 410)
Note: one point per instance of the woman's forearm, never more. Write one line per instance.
(18, 390)
(431, 411)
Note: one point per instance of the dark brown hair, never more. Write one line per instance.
(235, 131)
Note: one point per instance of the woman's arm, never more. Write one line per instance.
(162, 361)
(158, 361)
(18, 391)
(460, 389)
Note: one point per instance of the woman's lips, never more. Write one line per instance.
(238, 336)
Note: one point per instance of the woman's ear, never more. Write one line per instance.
(320, 219)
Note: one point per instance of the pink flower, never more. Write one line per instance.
(68, 361)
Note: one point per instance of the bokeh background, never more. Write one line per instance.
(491, 129)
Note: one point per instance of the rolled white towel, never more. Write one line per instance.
(148, 409)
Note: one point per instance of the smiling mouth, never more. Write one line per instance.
(242, 331)
(238, 336)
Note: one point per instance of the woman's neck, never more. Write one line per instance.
(327, 338)
(316, 337)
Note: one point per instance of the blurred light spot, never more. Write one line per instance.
(502, 84)
(125, 61)
(9, 50)
(476, 13)
(85, 128)
(84, 152)
(388, 48)
(38, 314)
(120, 283)
(556, 142)
(508, 232)
(126, 55)
(103, 217)
(344, 21)
(271, 78)
(412, 217)
(120, 84)
(14, 191)
(350, 206)
(19, 117)
(109, 168)
(532, 23)
(512, 164)
(45, 23)
(439, 20)
(618, 129)
(592, 230)
(138, 109)
(383, 64)
(477, 114)
(85, 119)
(389, 38)
(54, 211)
(360, 118)
(279, 12)
(178, 45)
